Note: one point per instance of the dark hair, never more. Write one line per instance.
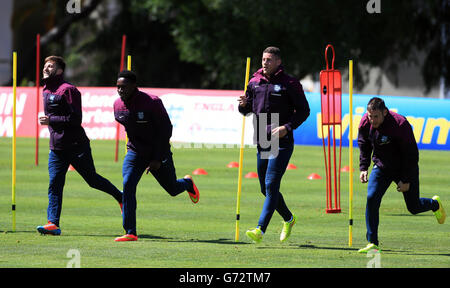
(376, 104)
(58, 60)
(127, 74)
(273, 50)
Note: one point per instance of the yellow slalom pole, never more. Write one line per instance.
(241, 158)
(129, 69)
(129, 63)
(350, 153)
(13, 202)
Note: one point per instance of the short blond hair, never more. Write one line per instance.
(58, 60)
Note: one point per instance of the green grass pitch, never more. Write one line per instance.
(173, 232)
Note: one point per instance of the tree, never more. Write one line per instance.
(204, 43)
(91, 45)
(218, 34)
(42, 17)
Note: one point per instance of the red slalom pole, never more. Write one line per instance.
(38, 55)
(122, 55)
(122, 59)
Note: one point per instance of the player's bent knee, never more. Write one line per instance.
(413, 211)
(172, 192)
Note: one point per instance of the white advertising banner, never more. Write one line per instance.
(206, 119)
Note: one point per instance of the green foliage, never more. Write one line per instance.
(204, 44)
(219, 35)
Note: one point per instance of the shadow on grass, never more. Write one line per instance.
(214, 241)
(175, 240)
(310, 246)
(410, 253)
(387, 251)
(429, 254)
(307, 246)
(148, 236)
(410, 215)
(13, 232)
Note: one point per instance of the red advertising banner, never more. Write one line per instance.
(97, 105)
(211, 116)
